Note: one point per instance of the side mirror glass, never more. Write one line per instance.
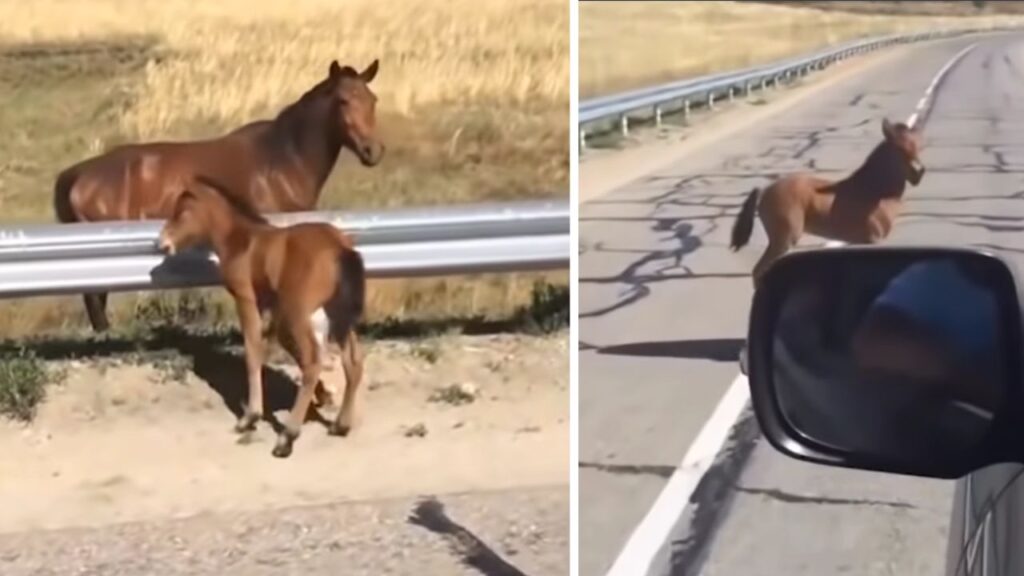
(897, 360)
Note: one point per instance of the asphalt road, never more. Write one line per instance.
(664, 304)
(525, 530)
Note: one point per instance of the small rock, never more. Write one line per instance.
(456, 394)
(416, 431)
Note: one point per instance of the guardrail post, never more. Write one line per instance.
(657, 116)
(711, 100)
(731, 96)
(624, 125)
(686, 109)
(583, 139)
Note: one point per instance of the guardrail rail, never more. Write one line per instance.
(677, 96)
(117, 256)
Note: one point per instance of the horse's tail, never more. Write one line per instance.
(349, 299)
(744, 225)
(62, 196)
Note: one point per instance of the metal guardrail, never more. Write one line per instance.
(676, 96)
(122, 256)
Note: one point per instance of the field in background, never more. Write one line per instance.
(919, 7)
(474, 102)
(627, 45)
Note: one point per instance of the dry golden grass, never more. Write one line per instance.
(473, 106)
(633, 44)
(234, 60)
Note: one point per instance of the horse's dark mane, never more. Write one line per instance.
(241, 208)
(318, 90)
(303, 101)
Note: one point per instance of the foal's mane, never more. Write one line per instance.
(882, 168)
(238, 207)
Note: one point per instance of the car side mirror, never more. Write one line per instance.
(902, 360)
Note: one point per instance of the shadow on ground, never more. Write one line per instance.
(714, 349)
(430, 514)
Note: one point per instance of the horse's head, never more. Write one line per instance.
(356, 106)
(906, 141)
(203, 212)
(187, 226)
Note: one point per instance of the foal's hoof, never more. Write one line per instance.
(323, 399)
(282, 450)
(336, 429)
(247, 423)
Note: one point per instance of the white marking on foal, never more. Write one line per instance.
(321, 329)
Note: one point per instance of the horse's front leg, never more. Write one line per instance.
(252, 332)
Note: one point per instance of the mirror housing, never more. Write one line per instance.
(889, 396)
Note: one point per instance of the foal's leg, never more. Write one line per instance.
(774, 251)
(252, 332)
(784, 231)
(352, 361)
(325, 396)
(303, 347)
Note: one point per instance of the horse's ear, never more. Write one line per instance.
(335, 70)
(887, 129)
(371, 71)
(186, 195)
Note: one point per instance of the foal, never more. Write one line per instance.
(860, 209)
(296, 272)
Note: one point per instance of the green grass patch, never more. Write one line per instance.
(23, 380)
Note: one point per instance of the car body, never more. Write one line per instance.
(813, 392)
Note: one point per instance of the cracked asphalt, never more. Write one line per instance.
(664, 305)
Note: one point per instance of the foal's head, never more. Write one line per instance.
(356, 106)
(200, 212)
(906, 143)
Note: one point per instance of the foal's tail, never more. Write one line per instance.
(346, 305)
(744, 225)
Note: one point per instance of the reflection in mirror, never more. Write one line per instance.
(891, 359)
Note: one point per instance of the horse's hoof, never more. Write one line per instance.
(282, 450)
(336, 429)
(247, 423)
(323, 399)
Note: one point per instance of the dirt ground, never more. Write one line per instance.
(524, 529)
(118, 442)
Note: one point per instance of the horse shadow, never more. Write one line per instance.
(226, 374)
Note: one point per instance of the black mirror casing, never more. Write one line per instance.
(1004, 440)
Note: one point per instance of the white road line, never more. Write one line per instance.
(923, 102)
(636, 556)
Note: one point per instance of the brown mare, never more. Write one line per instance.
(277, 165)
(300, 273)
(860, 209)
